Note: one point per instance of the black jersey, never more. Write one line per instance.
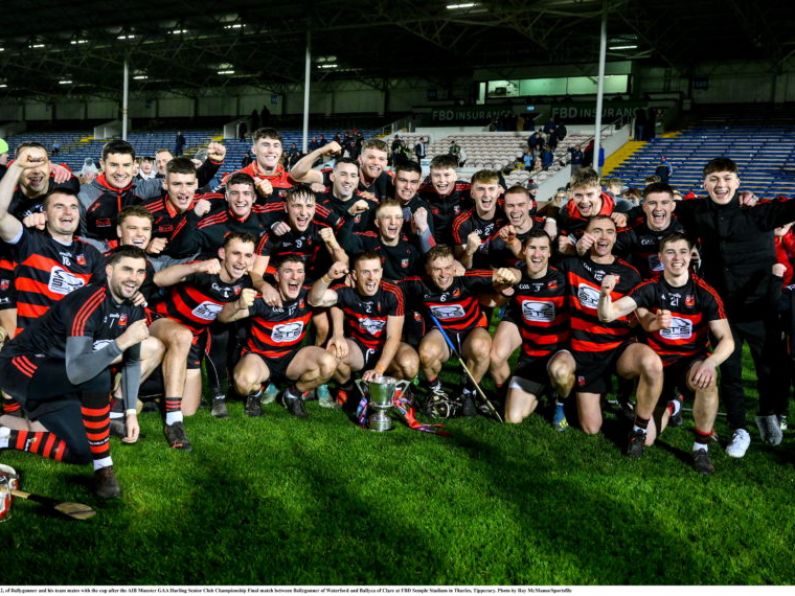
(381, 187)
(640, 246)
(48, 270)
(584, 284)
(197, 301)
(540, 310)
(498, 252)
(365, 317)
(21, 206)
(445, 209)
(399, 262)
(276, 332)
(167, 218)
(469, 221)
(206, 235)
(692, 307)
(89, 311)
(307, 246)
(361, 222)
(456, 308)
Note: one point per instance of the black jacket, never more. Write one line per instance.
(737, 253)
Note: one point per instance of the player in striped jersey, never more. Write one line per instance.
(59, 370)
(273, 352)
(367, 323)
(537, 319)
(679, 312)
(454, 301)
(199, 292)
(601, 348)
(472, 228)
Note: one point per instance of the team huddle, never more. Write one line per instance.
(296, 283)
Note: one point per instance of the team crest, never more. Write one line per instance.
(456, 293)
(404, 263)
(5, 284)
(123, 320)
(553, 285)
(81, 260)
(690, 301)
(237, 290)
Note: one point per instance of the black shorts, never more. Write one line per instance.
(370, 356)
(532, 374)
(594, 369)
(198, 348)
(276, 366)
(8, 293)
(413, 329)
(675, 378)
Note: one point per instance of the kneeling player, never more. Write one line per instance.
(453, 301)
(688, 310)
(367, 322)
(536, 319)
(273, 352)
(601, 348)
(59, 370)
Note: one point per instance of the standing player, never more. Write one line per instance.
(537, 319)
(586, 201)
(680, 311)
(601, 348)
(273, 352)
(271, 179)
(505, 246)
(454, 301)
(367, 323)
(447, 196)
(474, 227)
(58, 370)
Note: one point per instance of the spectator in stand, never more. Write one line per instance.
(640, 124)
(576, 158)
(535, 141)
(397, 150)
(547, 157)
(550, 127)
(421, 149)
(455, 151)
(179, 144)
(664, 170)
(529, 160)
(56, 148)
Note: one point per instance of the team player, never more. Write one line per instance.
(601, 348)
(59, 370)
(505, 246)
(680, 312)
(367, 323)
(447, 196)
(199, 291)
(417, 223)
(271, 179)
(473, 228)
(343, 202)
(537, 319)
(274, 352)
(586, 200)
(454, 301)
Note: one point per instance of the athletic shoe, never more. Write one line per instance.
(344, 395)
(468, 407)
(105, 484)
(175, 435)
(294, 405)
(702, 463)
(739, 444)
(769, 429)
(782, 423)
(270, 395)
(559, 422)
(253, 405)
(219, 409)
(324, 398)
(117, 428)
(636, 444)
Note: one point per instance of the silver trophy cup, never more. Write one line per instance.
(380, 392)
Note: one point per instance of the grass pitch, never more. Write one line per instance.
(277, 500)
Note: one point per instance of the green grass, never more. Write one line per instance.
(277, 500)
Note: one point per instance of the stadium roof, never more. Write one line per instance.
(78, 46)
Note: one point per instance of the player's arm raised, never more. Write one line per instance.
(609, 310)
(10, 226)
(320, 296)
(171, 276)
(239, 309)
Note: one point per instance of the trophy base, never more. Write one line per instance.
(379, 422)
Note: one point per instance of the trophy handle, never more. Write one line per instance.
(362, 386)
(402, 385)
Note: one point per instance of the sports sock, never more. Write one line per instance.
(9, 406)
(45, 444)
(173, 410)
(97, 424)
(702, 440)
(640, 425)
(674, 407)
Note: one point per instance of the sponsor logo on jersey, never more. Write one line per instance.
(538, 312)
(588, 296)
(372, 326)
(679, 329)
(207, 311)
(62, 282)
(287, 332)
(452, 311)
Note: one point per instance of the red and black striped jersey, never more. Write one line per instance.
(640, 246)
(584, 283)
(197, 301)
(400, 261)
(457, 308)
(276, 332)
(539, 308)
(205, 235)
(692, 307)
(365, 317)
(469, 221)
(167, 217)
(47, 271)
(89, 311)
(445, 209)
(306, 245)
